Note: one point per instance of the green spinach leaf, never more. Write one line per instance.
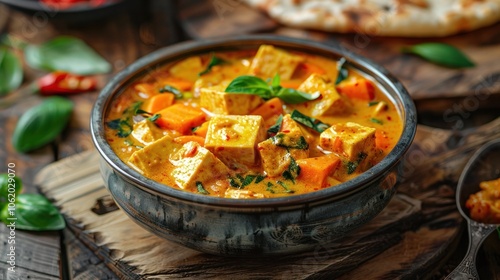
(66, 53)
(176, 92)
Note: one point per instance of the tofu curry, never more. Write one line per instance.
(253, 124)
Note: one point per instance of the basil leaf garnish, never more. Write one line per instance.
(11, 71)
(41, 124)
(250, 85)
(214, 60)
(168, 88)
(440, 53)
(342, 70)
(68, 54)
(310, 122)
(33, 212)
(254, 85)
(200, 188)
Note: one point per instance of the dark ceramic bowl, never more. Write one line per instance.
(251, 227)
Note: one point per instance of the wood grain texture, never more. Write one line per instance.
(422, 79)
(410, 239)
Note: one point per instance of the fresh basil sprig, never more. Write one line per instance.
(342, 70)
(310, 122)
(33, 212)
(440, 53)
(11, 71)
(41, 124)
(254, 85)
(66, 53)
(214, 60)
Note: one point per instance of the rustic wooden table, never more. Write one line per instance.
(148, 25)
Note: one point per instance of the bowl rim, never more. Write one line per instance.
(187, 48)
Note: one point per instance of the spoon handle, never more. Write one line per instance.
(467, 268)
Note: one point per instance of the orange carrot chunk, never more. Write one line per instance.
(360, 89)
(158, 102)
(315, 171)
(201, 130)
(381, 140)
(178, 83)
(270, 108)
(181, 118)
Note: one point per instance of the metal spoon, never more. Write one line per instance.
(484, 165)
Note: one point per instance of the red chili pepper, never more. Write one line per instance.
(65, 83)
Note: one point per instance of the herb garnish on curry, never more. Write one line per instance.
(253, 124)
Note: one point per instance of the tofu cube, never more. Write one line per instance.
(187, 68)
(217, 101)
(146, 132)
(330, 102)
(277, 151)
(192, 163)
(233, 139)
(349, 140)
(241, 194)
(154, 157)
(270, 61)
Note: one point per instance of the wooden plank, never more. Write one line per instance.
(36, 254)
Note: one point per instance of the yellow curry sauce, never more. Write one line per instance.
(187, 124)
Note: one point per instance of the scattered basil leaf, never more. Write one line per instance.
(248, 180)
(342, 70)
(200, 188)
(11, 71)
(234, 183)
(293, 171)
(66, 53)
(377, 121)
(290, 142)
(134, 109)
(254, 85)
(373, 103)
(42, 124)
(275, 128)
(287, 189)
(10, 187)
(154, 117)
(214, 60)
(440, 53)
(270, 187)
(33, 212)
(309, 121)
(293, 96)
(122, 126)
(259, 178)
(352, 166)
(168, 88)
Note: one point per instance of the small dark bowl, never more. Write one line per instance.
(269, 226)
(79, 14)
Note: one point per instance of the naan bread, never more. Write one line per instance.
(409, 18)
